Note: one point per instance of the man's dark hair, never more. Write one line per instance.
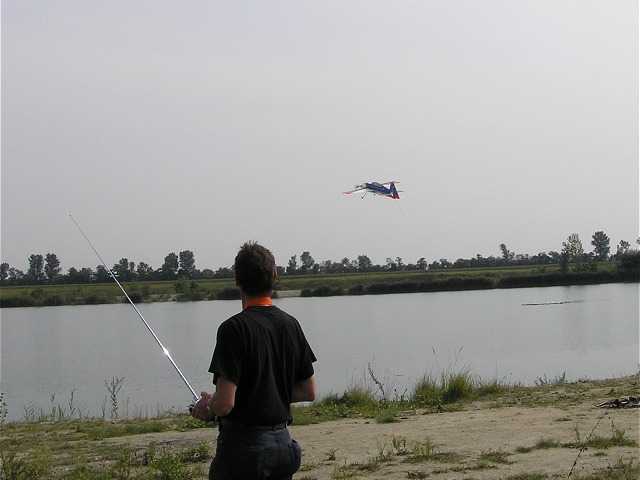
(255, 270)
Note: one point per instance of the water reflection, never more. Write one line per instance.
(498, 334)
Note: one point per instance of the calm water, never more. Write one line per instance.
(519, 335)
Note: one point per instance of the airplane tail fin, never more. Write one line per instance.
(394, 192)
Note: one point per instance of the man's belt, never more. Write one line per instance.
(228, 424)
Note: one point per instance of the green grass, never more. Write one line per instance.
(75, 449)
(495, 457)
(65, 448)
(104, 430)
(617, 439)
(623, 469)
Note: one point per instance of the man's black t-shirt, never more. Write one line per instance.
(263, 351)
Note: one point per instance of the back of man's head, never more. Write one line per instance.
(255, 270)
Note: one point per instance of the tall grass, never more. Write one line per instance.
(451, 387)
(456, 386)
(370, 398)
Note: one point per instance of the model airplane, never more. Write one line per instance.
(377, 189)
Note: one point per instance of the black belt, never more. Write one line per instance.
(235, 425)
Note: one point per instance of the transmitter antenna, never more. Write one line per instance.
(164, 350)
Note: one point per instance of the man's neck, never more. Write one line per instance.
(255, 301)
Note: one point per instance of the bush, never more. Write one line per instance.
(583, 277)
(135, 296)
(192, 297)
(630, 260)
(19, 469)
(378, 288)
(96, 299)
(326, 291)
(322, 291)
(228, 294)
(12, 302)
(168, 465)
(454, 283)
(53, 301)
(403, 287)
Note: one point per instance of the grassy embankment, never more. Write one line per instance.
(317, 285)
(62, 444)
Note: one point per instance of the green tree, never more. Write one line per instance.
(144, 272)
(4, 273)
(563, 261)
(364, 263)
(102, 274)
(187, 264)
(347, 266)
(36, 268)
(51, 266)
(439, 265)
(622, 248)
(601, 247)
(124, 270)
(79, 277)
(307, 263)
(170, 266)
(15, 276)
(224, 272)
(435, 265)
(572, 252)
(328, 266)
(292, 266)
(507, 256)
(630, 260)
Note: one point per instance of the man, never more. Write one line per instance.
(261, 364)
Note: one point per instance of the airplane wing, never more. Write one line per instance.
(357, 188)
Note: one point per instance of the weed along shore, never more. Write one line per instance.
(454, 428)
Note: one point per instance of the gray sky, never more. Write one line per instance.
(164, 126)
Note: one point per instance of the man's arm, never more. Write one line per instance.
(219, 404)
(304, 390)
(222, 401)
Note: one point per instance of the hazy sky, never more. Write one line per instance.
(164, 126)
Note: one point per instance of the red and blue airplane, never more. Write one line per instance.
(377, 189)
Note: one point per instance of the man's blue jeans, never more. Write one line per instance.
(250, 454)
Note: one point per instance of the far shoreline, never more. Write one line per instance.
(318, 285)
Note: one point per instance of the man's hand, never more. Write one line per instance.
(200, 410)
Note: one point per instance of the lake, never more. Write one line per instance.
(68, 356)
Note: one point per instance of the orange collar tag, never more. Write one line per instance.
(258, 302)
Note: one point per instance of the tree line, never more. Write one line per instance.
(46, 269)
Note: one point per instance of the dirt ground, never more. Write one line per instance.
(486, 440)
(472, 435)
